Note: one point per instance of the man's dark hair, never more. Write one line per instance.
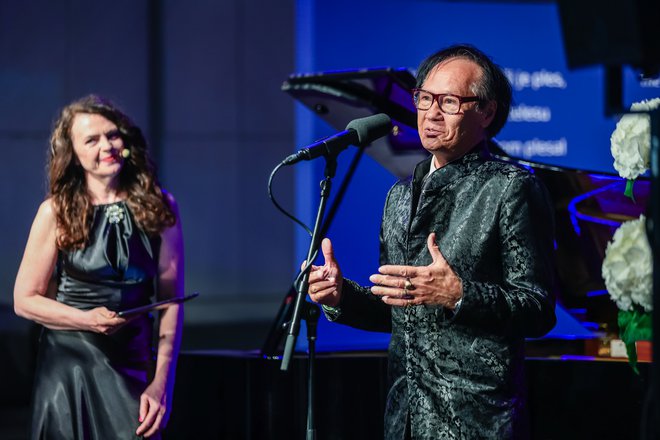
(493, 85)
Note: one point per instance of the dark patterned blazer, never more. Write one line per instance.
(459, 374)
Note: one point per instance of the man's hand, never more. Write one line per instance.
(325, 282)
(435, 284)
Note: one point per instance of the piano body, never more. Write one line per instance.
(575, 389)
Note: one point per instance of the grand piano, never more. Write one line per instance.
(576, 390)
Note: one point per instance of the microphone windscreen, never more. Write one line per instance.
(370, 128)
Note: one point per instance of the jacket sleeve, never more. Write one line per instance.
(361, 309)
(524, 301)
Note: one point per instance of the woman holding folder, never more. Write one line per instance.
(112, 236)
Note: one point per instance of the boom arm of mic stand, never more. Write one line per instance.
(278, 331)
(294, 325)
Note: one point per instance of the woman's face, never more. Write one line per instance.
(98, 146)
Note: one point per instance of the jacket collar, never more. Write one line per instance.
(452, 171)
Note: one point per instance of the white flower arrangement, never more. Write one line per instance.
(627, 267)
(631, 141)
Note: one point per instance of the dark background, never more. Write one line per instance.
(202, 79)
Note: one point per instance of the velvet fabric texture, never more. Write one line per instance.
(88, 385)
(459, 374)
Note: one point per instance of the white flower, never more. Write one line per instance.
(631, 141)
(627, 266)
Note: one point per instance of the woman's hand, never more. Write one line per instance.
(156, 400)
(102, 320)
(154, 409)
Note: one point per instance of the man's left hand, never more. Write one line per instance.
(435, 284)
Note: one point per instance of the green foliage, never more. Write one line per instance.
(629, 191)
(634, 326)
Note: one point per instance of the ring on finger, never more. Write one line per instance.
(408, 285)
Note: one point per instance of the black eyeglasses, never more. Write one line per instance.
(448, 103)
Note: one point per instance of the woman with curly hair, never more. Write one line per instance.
(112, 237)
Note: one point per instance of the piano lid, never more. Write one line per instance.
(339, 97)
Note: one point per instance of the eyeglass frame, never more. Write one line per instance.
(436, 96)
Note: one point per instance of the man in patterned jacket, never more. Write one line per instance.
(466, 253)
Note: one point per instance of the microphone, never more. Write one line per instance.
(360, 132)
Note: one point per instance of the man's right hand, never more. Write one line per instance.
(325, 282)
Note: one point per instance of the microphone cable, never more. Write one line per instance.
(277, 205)
(271, 196)
(329, 216)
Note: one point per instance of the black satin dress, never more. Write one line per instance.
(88, 385)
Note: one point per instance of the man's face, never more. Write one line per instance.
(448, 137)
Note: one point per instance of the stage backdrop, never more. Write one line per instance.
(557, 115)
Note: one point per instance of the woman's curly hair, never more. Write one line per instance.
(67, 186)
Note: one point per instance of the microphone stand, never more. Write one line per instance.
(311, 318)
(304, 309)
(271, 347)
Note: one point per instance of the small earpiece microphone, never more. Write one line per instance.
(125, 153)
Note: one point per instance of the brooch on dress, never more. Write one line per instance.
(114, 213)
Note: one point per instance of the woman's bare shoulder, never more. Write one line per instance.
(46, 213)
